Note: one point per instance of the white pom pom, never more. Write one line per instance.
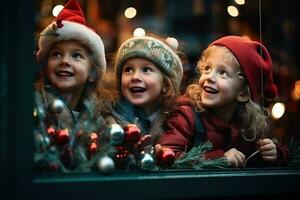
(172, 42)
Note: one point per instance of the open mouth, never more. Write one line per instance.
(64, 74)
(137, 89)
(210, 90)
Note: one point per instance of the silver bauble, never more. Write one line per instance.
(57, 106)
(116, 134)
(147, 162)
(106, 165)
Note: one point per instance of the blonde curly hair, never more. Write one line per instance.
(253, 117)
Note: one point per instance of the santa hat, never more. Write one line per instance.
(154, 50)
(70, 25)
(256, 64)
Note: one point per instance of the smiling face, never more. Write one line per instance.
(220, 82)
(142, 83)
(69, 66)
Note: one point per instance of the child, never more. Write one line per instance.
(148, 76)
(236, 75)
(74, 62)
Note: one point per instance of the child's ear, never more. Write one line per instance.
(244, 95)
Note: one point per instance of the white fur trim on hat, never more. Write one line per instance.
(71, 31)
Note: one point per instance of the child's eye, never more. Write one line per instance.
(147, 69)
(77, 55)
(206, 69)
(224, 73)
(55, 54)
(127, 69)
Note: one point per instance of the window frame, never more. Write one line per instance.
(19, 182)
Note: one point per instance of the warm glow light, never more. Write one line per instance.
(139, 32)
(56, 10)
(278, 110)
(240, 2)
(296, 91)
(233, 11)
(130, 12)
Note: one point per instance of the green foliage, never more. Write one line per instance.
(194, 159)
(294, 151)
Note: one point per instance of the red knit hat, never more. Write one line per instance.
(256, 64)
(70, 24)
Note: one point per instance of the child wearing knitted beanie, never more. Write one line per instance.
(68, 88)
(148, 76)
(224, 106)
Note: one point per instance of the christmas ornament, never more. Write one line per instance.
(132, 134)
(57, 106)
(51, 131)
(93, 148)
(63, 136)
(116, 134)
(147, 162)
(121, 157)
(105, 164)
(165, 156)
(94, 137)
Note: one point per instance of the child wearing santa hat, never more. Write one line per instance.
(148, 75)
(68, 88)
(224, 106)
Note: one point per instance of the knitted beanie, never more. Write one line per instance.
(155, 51)
(256, 64)
(70, 25)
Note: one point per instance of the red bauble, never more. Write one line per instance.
(51, 131)
(63, 136)
(94, 137)
(165, 156)
(93, 148)
(132, 134)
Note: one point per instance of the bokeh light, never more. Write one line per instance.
(278, 110)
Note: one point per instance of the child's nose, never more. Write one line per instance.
(136, 75)
(66, 60)
(212, 76)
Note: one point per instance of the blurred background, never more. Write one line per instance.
(196, 23)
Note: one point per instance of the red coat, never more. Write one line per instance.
(223, 136)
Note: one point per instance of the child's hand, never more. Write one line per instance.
(235, 157)
(267, 149)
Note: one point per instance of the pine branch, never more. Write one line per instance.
(294, 150)
(194, 159)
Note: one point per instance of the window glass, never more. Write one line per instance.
(69, 140)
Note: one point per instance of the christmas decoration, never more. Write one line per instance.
(194, 159)
(294, 153)
(147, 162)
(56, 106)
(165, 156)
(90, 146)
(116, 134)
(105, 164)
(60, 146)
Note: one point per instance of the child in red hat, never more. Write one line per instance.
(224, 106)
(68, 87)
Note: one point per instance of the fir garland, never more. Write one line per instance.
(294, 151)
